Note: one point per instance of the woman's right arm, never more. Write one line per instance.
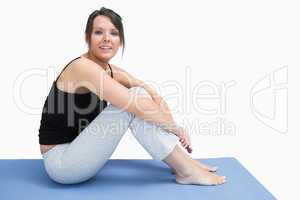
(94, 78)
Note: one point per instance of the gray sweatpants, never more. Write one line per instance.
(81, 159)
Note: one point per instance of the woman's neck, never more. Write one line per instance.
(102, 64)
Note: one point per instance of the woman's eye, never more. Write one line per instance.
(100, 32)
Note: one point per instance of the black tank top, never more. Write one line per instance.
(65, 114)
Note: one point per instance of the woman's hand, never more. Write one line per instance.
(185, 140)
(184, 137)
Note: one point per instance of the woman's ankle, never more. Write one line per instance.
(186, 171)
(182, 165)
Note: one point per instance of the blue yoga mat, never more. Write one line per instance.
(127, 179)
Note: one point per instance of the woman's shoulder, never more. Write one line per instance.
(83, 65)
(81, 61)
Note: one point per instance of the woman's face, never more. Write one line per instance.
(104, 40)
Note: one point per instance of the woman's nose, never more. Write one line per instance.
(106, 37)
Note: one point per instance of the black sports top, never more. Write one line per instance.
(66, 114)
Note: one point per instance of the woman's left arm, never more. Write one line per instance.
(129, 81)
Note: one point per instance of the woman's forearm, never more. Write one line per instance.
(156, 109)
(150, 111)
(156, 98)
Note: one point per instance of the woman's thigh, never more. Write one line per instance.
(82, 158)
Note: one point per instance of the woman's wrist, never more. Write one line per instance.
(178, 130)
(171, 127)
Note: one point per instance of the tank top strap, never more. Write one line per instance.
(111, 72)
(66, 67)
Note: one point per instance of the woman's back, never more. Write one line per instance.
(67, 110)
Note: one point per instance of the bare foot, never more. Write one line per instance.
(206, 167)
(201, 177)
(202, 166)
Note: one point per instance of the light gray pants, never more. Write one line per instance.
(81, 159)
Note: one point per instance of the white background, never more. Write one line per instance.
(215, 41)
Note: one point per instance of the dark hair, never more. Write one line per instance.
(115, 19)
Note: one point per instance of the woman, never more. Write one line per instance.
(79, 130)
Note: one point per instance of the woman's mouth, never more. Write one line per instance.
(105, 48)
